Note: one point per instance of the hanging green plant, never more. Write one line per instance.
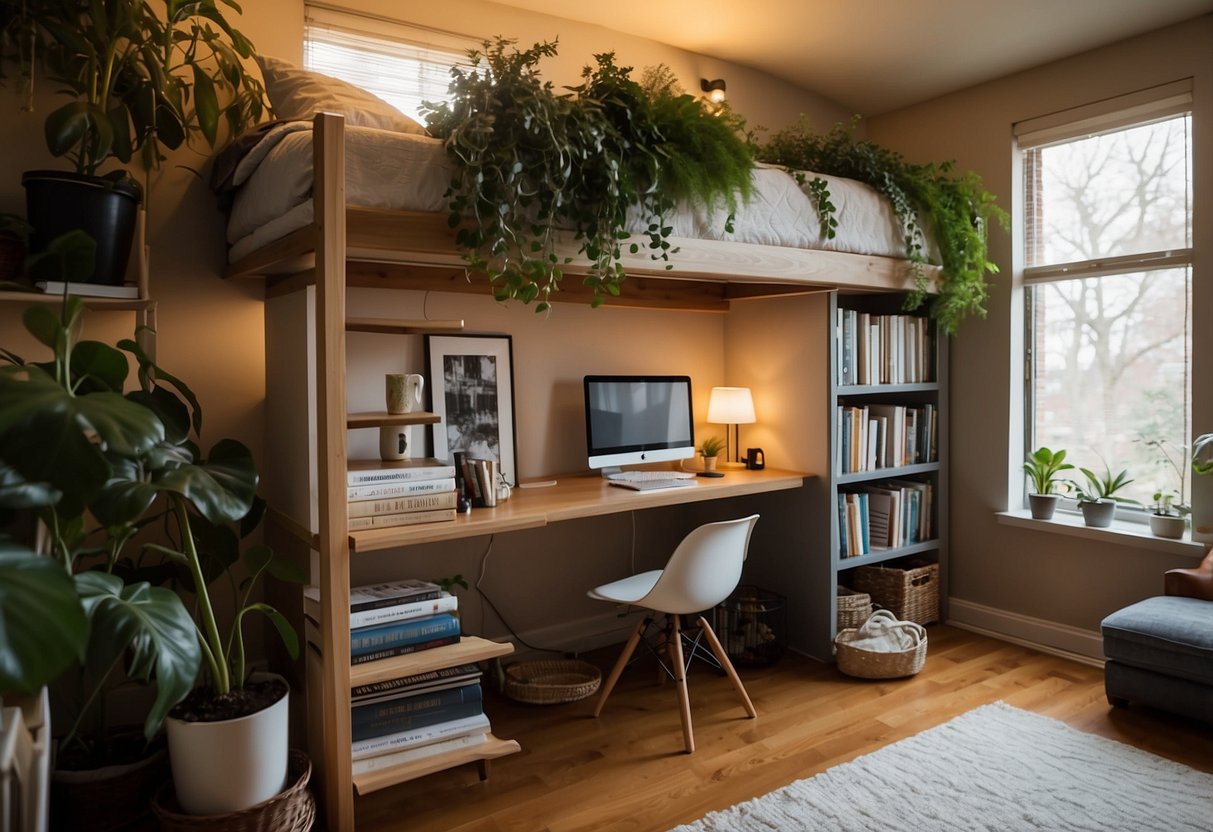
(530, 161)
(956, 205)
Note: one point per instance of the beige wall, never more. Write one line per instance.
(1057, 582)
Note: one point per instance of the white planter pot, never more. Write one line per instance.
(222, 767)
(1171, 527)
(1202, 509)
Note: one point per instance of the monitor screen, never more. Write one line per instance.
(636, 419)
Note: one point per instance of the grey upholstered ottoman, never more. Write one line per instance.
(1160, 653)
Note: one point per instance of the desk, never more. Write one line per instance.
(574, 496)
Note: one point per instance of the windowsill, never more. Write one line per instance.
(1126, 534)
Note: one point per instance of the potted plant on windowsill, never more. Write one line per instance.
(140, 80)
(1168, 519)
(1097, 500)
(1202, 488)
(1043, 467)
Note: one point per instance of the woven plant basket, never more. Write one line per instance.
(910, 594)
(292, 810)
(551, 682)
(853, 607)
(870, 664)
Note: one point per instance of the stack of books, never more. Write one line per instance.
(882, 349)
(884, 515)
(394, 618)
(416, 716)
(383, 494)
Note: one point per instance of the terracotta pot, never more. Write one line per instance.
(1167, 525)
(709, 463)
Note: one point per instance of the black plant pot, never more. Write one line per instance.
(57, 202)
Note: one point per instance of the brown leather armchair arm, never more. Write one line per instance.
(1191, 583)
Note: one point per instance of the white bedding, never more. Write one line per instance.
(405, 171)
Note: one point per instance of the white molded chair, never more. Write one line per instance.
(702, 572)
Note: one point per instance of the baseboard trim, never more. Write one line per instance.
(1050, 637)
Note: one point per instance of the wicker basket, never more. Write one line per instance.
(551, 682)
(292, 810)
(869, 664)
(853, 608)
(910, 594)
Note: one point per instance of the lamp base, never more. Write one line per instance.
(736, 466)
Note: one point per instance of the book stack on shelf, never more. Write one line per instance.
(884, 515)
(400, 493)
(882, 349)
(876, 436)
(411, 717)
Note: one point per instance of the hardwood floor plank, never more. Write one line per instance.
(627, 770)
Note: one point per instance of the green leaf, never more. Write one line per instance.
(290, 638)
(151, 626)
(222, 489)
(43, 628)
(206, 105)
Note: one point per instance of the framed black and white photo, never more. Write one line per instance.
(472, 388)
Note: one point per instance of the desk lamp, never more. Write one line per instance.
(731, 406)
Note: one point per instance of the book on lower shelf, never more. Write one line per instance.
(416, 737)
(401, 637)
(409, 754)
(399, 505)
(416, 683)
(406, 518)
(409, 711)
(391, 593)
(884, 515)
(88, 290)
(373, 471)
(406, 488)
(403, 611)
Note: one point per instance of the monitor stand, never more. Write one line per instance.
(610, 471)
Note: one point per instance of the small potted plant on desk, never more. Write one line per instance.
(710, 449)
(1043, 468)
(1098, 499)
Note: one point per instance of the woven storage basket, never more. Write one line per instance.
(292, 810)
(869, 664)
(551, 682)
(853, 607)
(910, 594)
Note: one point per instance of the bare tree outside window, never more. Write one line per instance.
(1111, 353)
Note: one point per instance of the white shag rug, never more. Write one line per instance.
(994, 769)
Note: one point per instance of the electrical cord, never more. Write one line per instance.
(484, 560)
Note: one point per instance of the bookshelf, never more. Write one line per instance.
(888, 419)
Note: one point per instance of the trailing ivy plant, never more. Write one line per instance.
(530, 161)
(956, 206)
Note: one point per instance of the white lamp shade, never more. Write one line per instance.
(731, 406)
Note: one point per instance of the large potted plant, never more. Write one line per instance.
(1043, 467)
(139, 80)
(74, 453)
(98, 466)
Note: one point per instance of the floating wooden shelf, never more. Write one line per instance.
(388, 326)
(384, 419)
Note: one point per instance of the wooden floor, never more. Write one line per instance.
(626, 770)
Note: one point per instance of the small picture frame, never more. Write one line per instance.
(472, 393)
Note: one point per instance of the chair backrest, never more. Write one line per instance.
(704, 568)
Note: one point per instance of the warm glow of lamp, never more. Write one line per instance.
(731, 406)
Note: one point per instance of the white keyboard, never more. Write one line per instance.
(654, 484)
(649, 476)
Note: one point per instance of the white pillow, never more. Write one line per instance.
(298, 94)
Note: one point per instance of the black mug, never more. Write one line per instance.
(754, 459)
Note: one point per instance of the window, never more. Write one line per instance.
(1108, 275)
(404, 65)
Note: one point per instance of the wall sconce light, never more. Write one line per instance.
(714, 89)
(731, 406)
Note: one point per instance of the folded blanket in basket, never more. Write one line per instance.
(884, 633)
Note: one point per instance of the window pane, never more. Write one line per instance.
(1117, 193)
(1112, 358)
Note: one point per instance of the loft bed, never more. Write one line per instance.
(396, 235)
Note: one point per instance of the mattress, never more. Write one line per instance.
(405, 171)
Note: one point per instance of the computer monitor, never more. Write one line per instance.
(637, 419)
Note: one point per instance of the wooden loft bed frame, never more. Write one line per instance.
(348, 246)
(417, 250)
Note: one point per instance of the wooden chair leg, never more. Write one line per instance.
(723, 658)
(619, 666)
(680, 677)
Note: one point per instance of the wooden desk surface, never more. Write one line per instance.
(573, 496)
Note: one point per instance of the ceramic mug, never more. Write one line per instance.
(393, 442)
(402, 392)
